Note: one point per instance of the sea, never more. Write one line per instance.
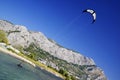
(9, 70)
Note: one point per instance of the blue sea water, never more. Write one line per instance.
(10, 71)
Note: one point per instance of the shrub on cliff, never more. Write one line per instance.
(3, 37)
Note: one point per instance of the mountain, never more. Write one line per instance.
(51, 53)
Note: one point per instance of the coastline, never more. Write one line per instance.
(16, 56)
(34, 64)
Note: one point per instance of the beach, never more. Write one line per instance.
(10, 71)
(16, 56)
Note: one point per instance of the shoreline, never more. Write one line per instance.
(5, 51)
(16, 56)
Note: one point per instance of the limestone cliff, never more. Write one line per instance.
(20, 36)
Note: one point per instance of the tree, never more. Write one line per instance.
(73, 78)
(3, 37)
(33, 56)
(63, 72)
(68, 78)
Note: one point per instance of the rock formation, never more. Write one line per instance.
(20, 36)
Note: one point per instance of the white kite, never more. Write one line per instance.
(92, 12)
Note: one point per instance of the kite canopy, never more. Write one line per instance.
(92, 12)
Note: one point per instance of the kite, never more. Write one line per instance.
(92, 12)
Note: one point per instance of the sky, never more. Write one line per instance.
(64, 22)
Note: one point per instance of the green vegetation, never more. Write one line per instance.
(19, 47)
(68, 70)
(11, 50)
(37, 53)
(63, 72)
(41, 65)
(70, 78)
(32, 56)
(66, 74)
(3, 37)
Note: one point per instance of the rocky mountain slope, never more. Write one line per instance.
(21, 38)
(19, 35)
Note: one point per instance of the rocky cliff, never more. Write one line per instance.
(20, 36)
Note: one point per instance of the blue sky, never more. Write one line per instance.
(64, 22)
